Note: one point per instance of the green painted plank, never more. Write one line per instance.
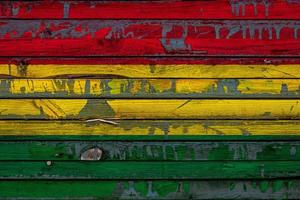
(219, 189)
(148, 170)
(143, 150)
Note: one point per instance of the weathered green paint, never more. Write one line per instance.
(158, 151)
(111, 170)
(149, 189)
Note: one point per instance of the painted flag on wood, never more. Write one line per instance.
(150, 99)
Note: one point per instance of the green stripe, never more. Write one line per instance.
(148, 170)
(264, 189)
(147, 150)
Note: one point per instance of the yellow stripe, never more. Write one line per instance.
(154, 71)
(100, 87)
(148, 109)
(140, 127)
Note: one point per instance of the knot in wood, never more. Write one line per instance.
(92, 154)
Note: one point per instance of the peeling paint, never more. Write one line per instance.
(239, 6)
(121, 29)
(66, 9)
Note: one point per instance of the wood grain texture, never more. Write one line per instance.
(148, 109)
(153, 60)
(151, 189)
(238, 9)
(151, 151)
(149, 38)
(149, 88)
(24, 70)
(179, 170)
(181, 99)
(149, 128)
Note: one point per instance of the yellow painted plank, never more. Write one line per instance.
(172, 88)
(149, 127)
(153, 71)
(148, 109)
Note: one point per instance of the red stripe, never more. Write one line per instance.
(148, 60)
(213, 9)
(148, 38)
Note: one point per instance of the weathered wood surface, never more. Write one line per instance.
(150, 128)
(149, 38)
(132, 189)
(93, 109)
(149, 88)
(186, 71)
(152, 60)
(145, 170)
(170, 99)
(213, 9)
(151, 151)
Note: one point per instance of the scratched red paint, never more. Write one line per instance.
(149, 38)
(213, 9)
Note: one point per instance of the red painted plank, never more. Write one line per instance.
(202, 9)
(146, 60)
(149, 38)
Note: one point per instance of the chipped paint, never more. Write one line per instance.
(239, 6)
(66, 9)
(171, 189)
(113, 109)
(92, 154)
(152, 128)
(154, 88)
(121, 29)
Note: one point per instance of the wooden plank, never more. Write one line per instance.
(149, 88)
(180, 170)
(23, 70)
(149, 38)
(141, 150)
(152, 61)
(95, 109)
(213, 9)
(132, 189)
(150, 128)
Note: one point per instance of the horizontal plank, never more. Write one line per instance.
(132, 189)
(71, 170)
(152, 61)
(149, 88)
(141, 150)
(213, 9)
(24, 70)
(99, 109)
(149, 38)
(165, 138)
(150, 128)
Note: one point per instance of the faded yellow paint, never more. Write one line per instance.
(187, 86)
(140, 127)
(149, 109)
(31, 86)
(161, 85)
(95, 87)
(156, 71)
(270, 86)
